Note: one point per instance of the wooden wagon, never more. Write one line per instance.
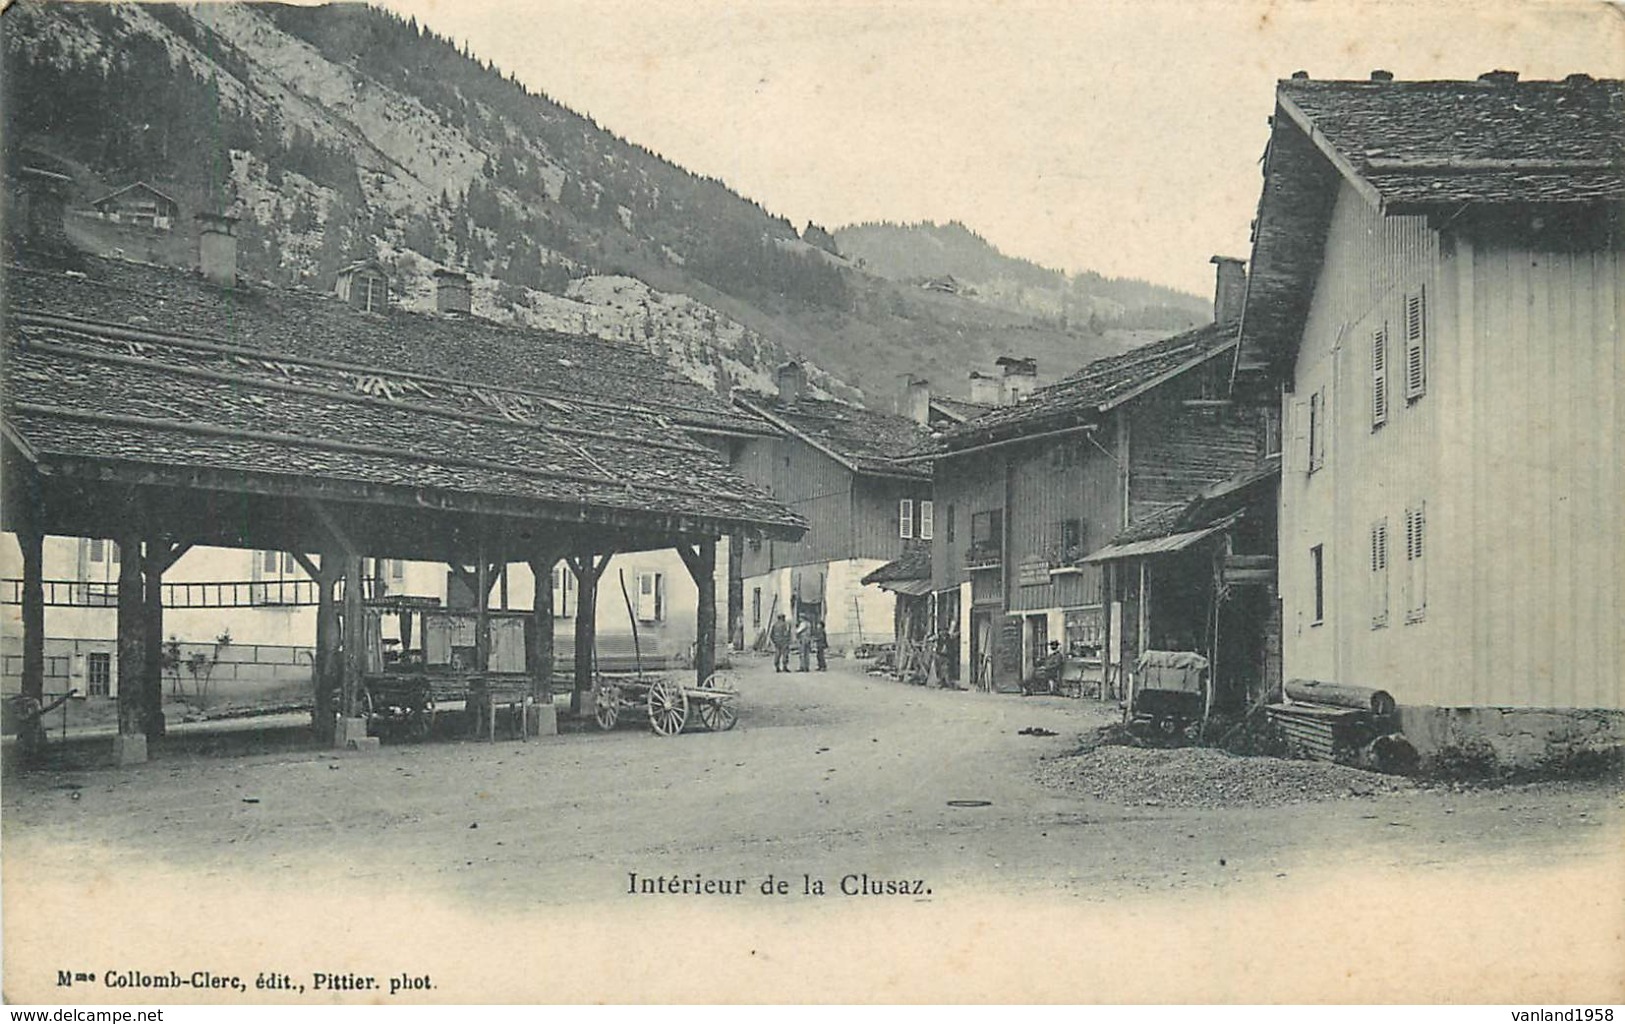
(666, 703)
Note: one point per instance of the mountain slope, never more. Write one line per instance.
(342, 131)
(932, 253)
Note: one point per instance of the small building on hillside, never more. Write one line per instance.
(836, 465)
(138, 204)
(1436, 303)
(1026, 491)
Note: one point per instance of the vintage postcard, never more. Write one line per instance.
(548, 502)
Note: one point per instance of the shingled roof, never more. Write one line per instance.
(913, 564)
(862, 440)
(1495, 140)
(115, 363)
(1417, 147)
(1084, 396)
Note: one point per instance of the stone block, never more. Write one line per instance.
(544, 720)
(349, 729)
(364, 744)
(128, 750)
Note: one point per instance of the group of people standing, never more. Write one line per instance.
(808, 635)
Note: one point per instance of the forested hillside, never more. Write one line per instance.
(342, 131)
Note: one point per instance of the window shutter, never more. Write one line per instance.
(905, 518)
(1415, 346)
(928, 524)
(1379, 376)
(1379, 574)
(1416, 599)
(646, 596)
(1297, 425)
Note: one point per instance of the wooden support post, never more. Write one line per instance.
(482, 614)
(31, 734)
(587, 569)
(325, 667)
(539, 629)
(702, 565)
(355, 636)
(157, 558)
(132, 638)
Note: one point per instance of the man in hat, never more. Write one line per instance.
(1046, 677)
(779, 634)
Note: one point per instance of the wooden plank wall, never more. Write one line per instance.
(1541, 578)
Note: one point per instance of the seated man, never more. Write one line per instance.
(1046, 677)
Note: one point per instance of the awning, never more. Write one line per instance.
(1157, 545)
(913, 588)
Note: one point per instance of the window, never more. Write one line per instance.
(1317, 565)
(1270, 430)
(99, 550)
(1379, 377)
(950, 534)
(905, 518)
(928, 524)
(1317, 429)
(397, 569)
(271, 560)
(756, 608)
(99, 673)
(651, 601)
(987, 535)
(1068, 535)
(1416, 370)
(374, 292)
(1416, 577)
(564, 589)
(1379, 574)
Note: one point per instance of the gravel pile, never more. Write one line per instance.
(1202, 777)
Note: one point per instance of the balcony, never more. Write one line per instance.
(984, 556)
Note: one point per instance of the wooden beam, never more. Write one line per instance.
(157, 557)
(703, 568)
(325, 669)
(31, 734)
(311, 568)
(355, 635)
(334, 530)
(587, 569)
(132, 635)
(539, 639)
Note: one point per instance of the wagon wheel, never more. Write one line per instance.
(607, 706)
(420, 718)
(364, 706)
(720, 714)
(668, 707)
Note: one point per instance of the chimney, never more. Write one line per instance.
(1499, 77)
(792, 383)
(1230, 290)
(1382, 76)
(917, 400)
(217, 248)
(452, 292)
(984, 390)
(1020, 378)
(1300, 76)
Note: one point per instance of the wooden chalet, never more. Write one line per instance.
(1026, 491)
(835, 464)
(163, 409)
(139, 204)
(1436, 306)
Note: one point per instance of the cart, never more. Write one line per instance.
(1169, 693)
(399, 702)
(665, 702)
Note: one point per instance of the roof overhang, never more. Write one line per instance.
(1171, 544)
(909, 588)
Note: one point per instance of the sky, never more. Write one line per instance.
(1120, 137)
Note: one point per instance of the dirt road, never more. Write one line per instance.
(835, 778)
